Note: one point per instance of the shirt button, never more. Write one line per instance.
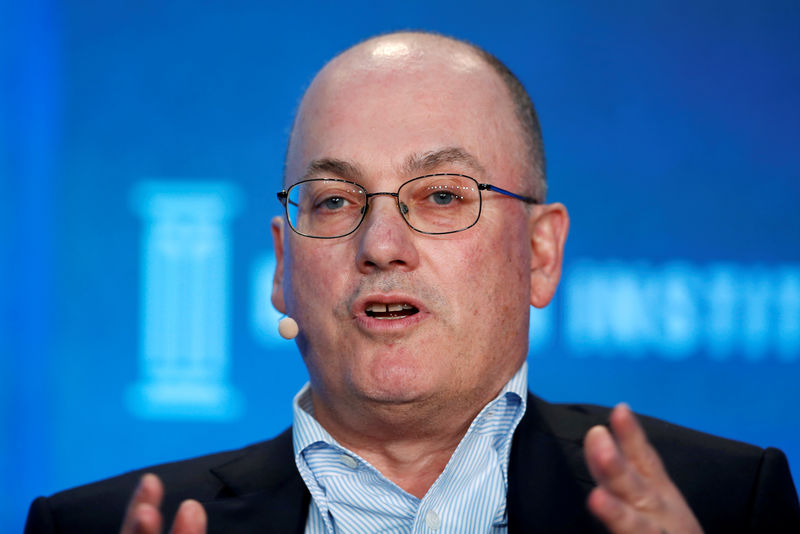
(433, 520)
(349, 461)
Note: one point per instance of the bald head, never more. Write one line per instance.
(424, 70)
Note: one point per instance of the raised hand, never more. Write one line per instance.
(144, 517)
(634, 493)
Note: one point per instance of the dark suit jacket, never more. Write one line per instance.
(731, 487)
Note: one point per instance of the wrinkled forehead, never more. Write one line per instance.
(389, 98)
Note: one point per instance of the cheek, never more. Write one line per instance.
(316, 276)
(499, 266)
(469, 273)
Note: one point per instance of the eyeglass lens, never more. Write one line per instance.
(436, 204)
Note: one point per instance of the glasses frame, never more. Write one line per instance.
(283, 198)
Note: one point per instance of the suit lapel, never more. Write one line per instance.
(263, 492)
(277, 511)
(548, 480)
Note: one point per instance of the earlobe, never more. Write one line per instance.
(277, 228)
(549, 225)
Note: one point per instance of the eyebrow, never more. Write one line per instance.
(434, 160)
(338, 167)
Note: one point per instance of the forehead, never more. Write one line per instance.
(379, 106)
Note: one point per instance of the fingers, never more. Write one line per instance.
(617, 516)
(614, 472)
(633, 443)
(634, 493)
(142, 515)
(190, 519)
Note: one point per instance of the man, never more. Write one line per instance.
(415, 240)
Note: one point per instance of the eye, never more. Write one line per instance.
(436, 194)
(443, 197)
(332, 203)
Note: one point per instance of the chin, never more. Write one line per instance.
(396, 384)
(393, 397)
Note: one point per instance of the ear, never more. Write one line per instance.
(549, 225)
(278, 229)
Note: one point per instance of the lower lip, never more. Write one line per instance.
(372, 324)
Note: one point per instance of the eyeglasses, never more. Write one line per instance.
(442, 203)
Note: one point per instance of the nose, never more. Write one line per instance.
(385, 240)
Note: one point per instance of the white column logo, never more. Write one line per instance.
(184, 358)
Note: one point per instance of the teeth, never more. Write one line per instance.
(384, 308)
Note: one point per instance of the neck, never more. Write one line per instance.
(414, 463)
(409, 443)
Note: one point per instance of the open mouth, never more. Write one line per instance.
(397, 310)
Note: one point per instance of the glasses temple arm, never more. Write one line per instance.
(283, 198)
(490, 187)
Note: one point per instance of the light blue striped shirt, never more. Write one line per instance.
(348, 495)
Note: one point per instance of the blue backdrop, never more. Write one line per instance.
(141, 144)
